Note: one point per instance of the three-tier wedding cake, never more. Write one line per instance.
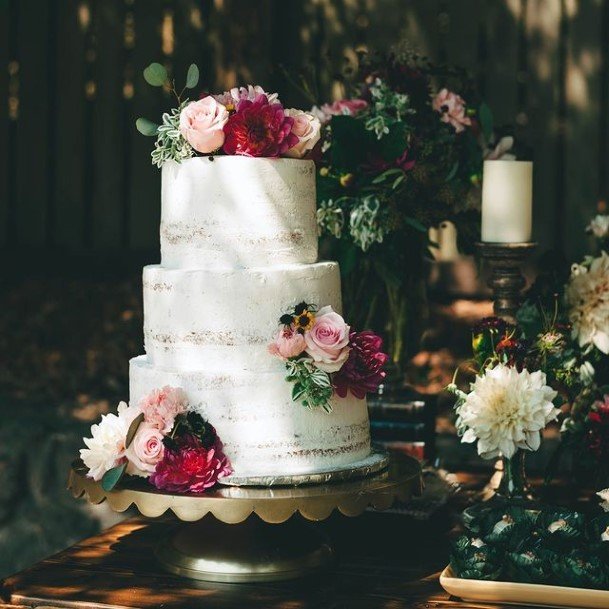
(238, 248)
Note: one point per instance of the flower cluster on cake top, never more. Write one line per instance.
(324, 356)
(160, 439)
(244, 121)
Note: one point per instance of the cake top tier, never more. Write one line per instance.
(238, 212)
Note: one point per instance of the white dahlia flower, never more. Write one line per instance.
(506, 410)
(106, 447)
(587, 298)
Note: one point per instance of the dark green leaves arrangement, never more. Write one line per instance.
(544, 545)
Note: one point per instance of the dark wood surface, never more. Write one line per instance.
(386, 561)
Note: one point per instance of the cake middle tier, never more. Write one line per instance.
(222, 320)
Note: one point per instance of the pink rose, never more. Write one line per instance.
(345, 106)
(328, 340)
(288, 343)
(307, 128)
(202, 124)
(162, 406)
(452, 108)
(145, 451)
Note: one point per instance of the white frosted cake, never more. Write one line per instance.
(238, 249)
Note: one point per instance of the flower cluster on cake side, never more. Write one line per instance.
(244, 121)
(161, 440)
(324, 357)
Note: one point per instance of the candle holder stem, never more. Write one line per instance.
(507, 281)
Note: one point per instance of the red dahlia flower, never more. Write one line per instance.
(363, 371)
(190, 467)
(597, 437)
(259, 128)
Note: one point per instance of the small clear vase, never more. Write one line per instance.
(514, 484)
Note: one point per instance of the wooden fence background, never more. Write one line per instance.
(75, 176)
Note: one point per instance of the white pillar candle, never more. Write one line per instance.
(507, 201)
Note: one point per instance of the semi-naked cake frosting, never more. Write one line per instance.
(238, 249)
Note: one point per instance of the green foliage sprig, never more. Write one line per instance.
(170, 144)
(312, 386)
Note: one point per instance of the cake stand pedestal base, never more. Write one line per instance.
(250, 551)
(258, 533)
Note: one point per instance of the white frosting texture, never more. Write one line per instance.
(263, 431)
(223, 320)
(239, 249)
(238, 211)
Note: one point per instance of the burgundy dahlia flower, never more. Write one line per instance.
(597, 437)
(190, 467)
(259, 128)
(363, 372)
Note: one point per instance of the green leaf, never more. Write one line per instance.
(297, 391)
(486, 120)
(351, 143)
(415, 224)
(155, 74)
(395, 142)
(398, 181)
(192, 78)
(133, 429)
(453, 172)
(146, 127)
(112, 476)
(386, 174)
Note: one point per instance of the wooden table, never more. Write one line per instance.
(387, 561)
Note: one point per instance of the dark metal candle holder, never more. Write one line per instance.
(507, 281)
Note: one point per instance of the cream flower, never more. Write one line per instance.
(506, 410)
(106, 448)
(587, 297)
(604, 495)
(599, 226)
(307, 129)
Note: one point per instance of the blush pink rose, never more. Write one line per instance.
(288, 343)
(350, 107)
(307, 128)
(162, 406)
(202, 124)
(452, 108)
(145, 451)
(328, 340)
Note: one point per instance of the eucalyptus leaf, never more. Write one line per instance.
(133, 429)
(398, 181)
(112, 477)
(146, 127)
(192, 78)
(155, 74)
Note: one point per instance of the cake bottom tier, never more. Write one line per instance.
(264, 432)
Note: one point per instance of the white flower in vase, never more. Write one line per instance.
(506, 410)
(587, 298)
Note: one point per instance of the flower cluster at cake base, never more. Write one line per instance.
(324, 357)
(159, 439)
(244, 121)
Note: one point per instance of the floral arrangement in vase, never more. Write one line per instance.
(323, 356)
(403, 153)
(161, 440)
(244, 121)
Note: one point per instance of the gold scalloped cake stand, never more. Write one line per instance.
(253, 536)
